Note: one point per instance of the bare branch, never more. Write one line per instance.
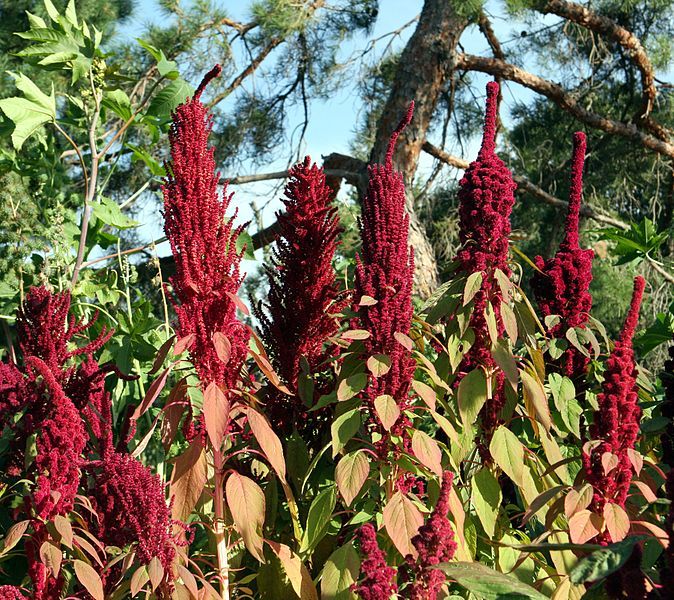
(611, 30)
(564, 100)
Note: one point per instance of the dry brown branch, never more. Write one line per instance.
(564, 100)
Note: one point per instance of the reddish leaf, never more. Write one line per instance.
(427, 451)
(65, 530)
(404, 340)
(577, 500)
(246, 502)
(14, 534)
(425, 392)
(268, 440)
(617, 521)
(138, 580)
(584, 525)
(173, 412)
(367, 301)
(238, 302)
(188, 480)
(379, 364)
(402, 520)
(223, 347)
(387, 410)
(151, 395)
(51, 556)
(216, 414)
(356, 334)
(161, 355)
(155, 570)
(183, 343)
(91, 581)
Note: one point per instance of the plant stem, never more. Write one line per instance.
(90, 193)
(219, 525)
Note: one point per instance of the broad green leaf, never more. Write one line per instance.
(297, 573)
(246, 502)
(30, 112)
(508, 452)
(602, 563)
(473, 285)
(472, 395)
(109, 212)
(118, 102)
(486, 498)
(350, 386)
(564, 397)
(488, 584)
(343, 429)
(168, 98)
(318, 519)
(402, 520)
(340, 573)
(351, 473)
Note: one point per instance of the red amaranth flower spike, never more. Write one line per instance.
(132, 508)
(384, 271)
(435, 544)
(616, 423)
(203, 242)
(10, 592)
(563, 285)
(299, 314)
(486, 197)
(378, 581)
(60, 442)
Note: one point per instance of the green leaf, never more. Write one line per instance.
(30, 112)
(472, 395)
(508, 452)
(118, 102)
(109, 212)
(488, 584)
(603, 562)
(340, 573)
(473, 285)
(351, 473)
(564, 397)
(350, 386)
(168, 98)
(486, 498)
(318, 519)
(343, 429)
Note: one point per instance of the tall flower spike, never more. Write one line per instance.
(486, 197)
(298, 316)
(203, 242)
(378, 582)
(616, 423)
(562, 286)
(384, 272)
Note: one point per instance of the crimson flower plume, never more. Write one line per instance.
(562, 286)
(204, 245)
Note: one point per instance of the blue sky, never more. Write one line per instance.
(332, 123)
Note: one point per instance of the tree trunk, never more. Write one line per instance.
(425, 64)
